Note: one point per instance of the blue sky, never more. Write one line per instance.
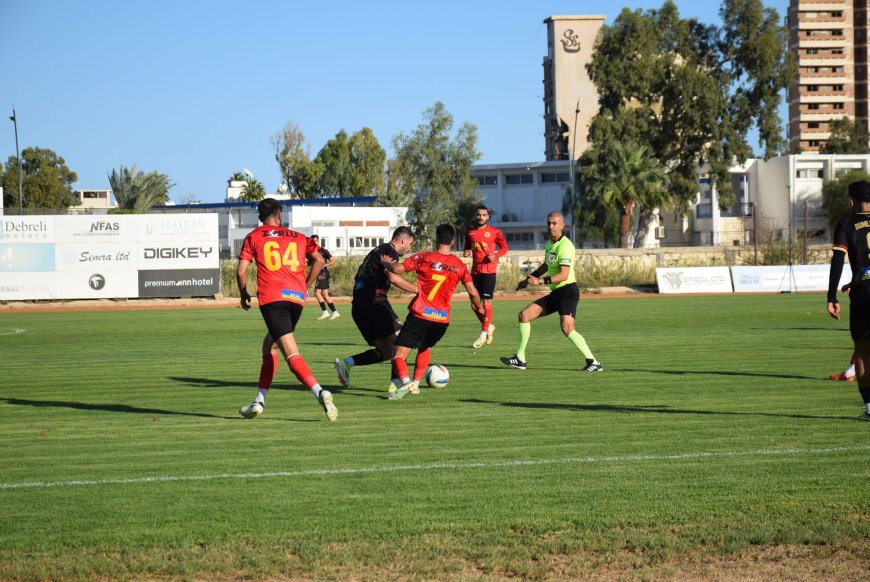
(196, 89)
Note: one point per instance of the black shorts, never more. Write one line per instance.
(375, 320)
(281, 317)
(859, 312)
(485, 284)
(418, 333)
(322, 283)
(563, 300)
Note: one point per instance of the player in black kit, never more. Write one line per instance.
(371, 310)
(852, 237)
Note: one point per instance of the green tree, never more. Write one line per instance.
(46, 180)
(301, 175)
(847, 137)
(433, 171)
(367, 164)
(253, 190)
(136, 192)
(238, 177)
(690, 92)
(835, 196)
(625, 178)
(334, 157)
(352, 166)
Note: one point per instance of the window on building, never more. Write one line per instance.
(324, 242)
(837, 51)
(519, 237)
(813, 125)
(812, 51)
(812, 105)
(338, 242)
(518, 179)
(812, 88)
(837, 14)
(487, 180)
(838, 87)
(839, 105)
(837, 69)
(810, 172)
(551, 177)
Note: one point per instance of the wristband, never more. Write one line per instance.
(547, 280)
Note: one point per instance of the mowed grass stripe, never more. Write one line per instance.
(437, 466)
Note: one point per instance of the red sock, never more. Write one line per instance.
(487, 317)
(301, 371)
(421, 363)
(268, 370)
(401, 368)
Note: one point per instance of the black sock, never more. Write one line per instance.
(865, 394)
(322, 305)
(332, 307)
(368, 358)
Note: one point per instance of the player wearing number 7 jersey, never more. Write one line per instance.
(438, 273)
(280, 255)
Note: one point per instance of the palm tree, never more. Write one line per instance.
(136, 191)
(253, 190)
(629, 176)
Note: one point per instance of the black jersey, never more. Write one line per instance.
(852, 236)
(371, 282)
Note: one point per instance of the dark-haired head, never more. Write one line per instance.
(445, 234)
(268, 207)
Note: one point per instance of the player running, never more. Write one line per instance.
(280, 255)
(484, 244)
(438, 273)
(371, 310)
(563, 297)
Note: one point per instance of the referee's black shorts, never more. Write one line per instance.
(419, 333)
(375, 320)
(281, 317)
(563, 300)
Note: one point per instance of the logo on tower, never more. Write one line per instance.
(570, 42)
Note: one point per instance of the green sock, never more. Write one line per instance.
(580, 343)
(525, 332)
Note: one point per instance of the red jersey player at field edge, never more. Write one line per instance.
(484, 244)
(438, 273)
(280, 255)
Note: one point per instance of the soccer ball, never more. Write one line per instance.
(437, 376)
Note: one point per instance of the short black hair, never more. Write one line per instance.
(445, 234)
(268, 207)
(314, 236)
(860, 191)
(481, 207)
(403, 231)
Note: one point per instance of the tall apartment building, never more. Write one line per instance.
(829, 41)
(570, 96)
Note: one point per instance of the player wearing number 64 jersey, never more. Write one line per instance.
(280, 255)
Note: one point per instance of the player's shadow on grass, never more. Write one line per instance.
(718, 373)
(107, 408)
(653, 409)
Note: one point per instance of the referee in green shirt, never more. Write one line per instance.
(563, 297)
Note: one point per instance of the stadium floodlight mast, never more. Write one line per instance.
(789, 270)
(571, 167)
(14, 119)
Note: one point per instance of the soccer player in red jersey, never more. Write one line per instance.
(484, 244)
(438, 273)
(280, 255)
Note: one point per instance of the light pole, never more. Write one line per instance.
(571, 171)
(14, 119)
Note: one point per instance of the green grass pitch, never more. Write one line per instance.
(712, 434)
